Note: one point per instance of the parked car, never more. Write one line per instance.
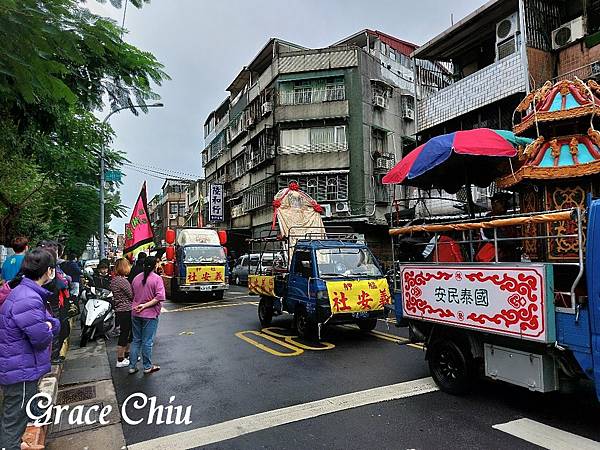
(249, 263)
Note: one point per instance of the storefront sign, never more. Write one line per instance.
(503, 300)
(358, 296)
(215, 203)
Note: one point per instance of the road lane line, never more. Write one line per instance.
(249, 424)
(225, 305)
(546, 436)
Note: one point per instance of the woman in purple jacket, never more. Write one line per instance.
(26, 332)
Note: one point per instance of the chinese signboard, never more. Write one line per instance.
(358, 296)
(261, 285)
(504, 300)
(204, 274)
(215, 203)
(112, 175)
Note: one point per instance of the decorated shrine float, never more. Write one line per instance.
(322, 277)
(532, 319)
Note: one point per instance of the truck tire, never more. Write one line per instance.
(265, 311)
(451, 366)
(305, 327)
(218, 295)
(366, 325)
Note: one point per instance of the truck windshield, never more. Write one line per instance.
(203, 254)
(346, 262)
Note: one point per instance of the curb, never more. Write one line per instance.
(34, 437)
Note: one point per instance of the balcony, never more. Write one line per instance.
(311, 103)
(384, 162)
(237, 211)
(257, 156)
(488, 85)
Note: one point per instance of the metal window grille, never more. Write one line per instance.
(329, 187)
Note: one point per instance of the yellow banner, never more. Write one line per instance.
(358, 296)
(261, 285)
(204, 274)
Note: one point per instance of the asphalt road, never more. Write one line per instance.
(215, 359)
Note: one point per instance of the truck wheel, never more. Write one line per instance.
(305, 327)
(451, 367)
(265, 311)
(218, 295)
(366, 324)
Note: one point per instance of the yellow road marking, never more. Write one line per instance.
(295, 350)
(292, 340)
(195, 307)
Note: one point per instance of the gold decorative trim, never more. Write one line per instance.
(548, 116)
(548, 173)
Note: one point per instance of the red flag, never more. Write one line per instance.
(138, 232)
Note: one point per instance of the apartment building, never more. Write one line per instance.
(334, 120)
(168, 208)
(482, 67)
(194, 202)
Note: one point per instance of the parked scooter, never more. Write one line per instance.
(97, 315)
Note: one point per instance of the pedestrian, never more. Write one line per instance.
(59, 301)
(26, 332)
(148, 295)
(138, 267)
(71, 268)
(102, 277)
(11, 266)
(122, 297)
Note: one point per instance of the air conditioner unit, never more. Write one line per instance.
(568, 32)
(267, 108)
(379, 101)
(506, 48)
(409, 114)
(507, 28)
(341, 207)
(326, 210)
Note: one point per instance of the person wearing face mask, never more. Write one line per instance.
(26, 332)
(59, 301)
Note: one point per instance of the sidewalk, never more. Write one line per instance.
(86, 380)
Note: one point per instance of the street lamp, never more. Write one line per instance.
(102, 180)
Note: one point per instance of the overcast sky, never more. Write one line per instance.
(204, 44)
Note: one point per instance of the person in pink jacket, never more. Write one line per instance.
(148, 295)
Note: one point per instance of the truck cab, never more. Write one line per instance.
(329, 281)
(197, 263)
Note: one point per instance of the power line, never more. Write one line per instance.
(162, 170)
(163, 174)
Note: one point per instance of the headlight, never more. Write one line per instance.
(322, 295)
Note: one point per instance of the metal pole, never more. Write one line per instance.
(102, 175)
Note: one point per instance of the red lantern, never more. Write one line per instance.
(169, 269)
(222, 237)
(170, 253)
(170, 236)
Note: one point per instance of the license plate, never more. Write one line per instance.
(360, 315)
(205, 288)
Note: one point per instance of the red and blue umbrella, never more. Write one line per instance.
(453, 160)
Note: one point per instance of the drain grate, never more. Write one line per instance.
(76, 395)
(64, 427)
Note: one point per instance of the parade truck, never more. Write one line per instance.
(321, 277)
(195, 262)
(513, 294)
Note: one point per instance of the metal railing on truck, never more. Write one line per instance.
(472, 236)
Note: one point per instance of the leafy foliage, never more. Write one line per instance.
(58, 62)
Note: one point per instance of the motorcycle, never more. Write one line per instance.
(97, 316)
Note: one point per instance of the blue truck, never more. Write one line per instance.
(532, 324)
(330, 279)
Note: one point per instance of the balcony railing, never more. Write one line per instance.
(313, 148)
(257, 157)
(312, 95)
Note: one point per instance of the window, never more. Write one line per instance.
(392, 55)
(379, 141)
(303, 263)
(302, 92)
(311, 187)
(314, 140)
(258, 196)
(332, 189)
(312, 91)
(383, 48)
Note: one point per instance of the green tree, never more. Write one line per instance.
(58, 64)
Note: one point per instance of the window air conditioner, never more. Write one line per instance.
(379, 101)
(326, 210)
(341, 207)
(409, 114)
(568, 32)
(267, 108)
(507, 28)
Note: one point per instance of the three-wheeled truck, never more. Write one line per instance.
(321, 277)
(514, 296)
